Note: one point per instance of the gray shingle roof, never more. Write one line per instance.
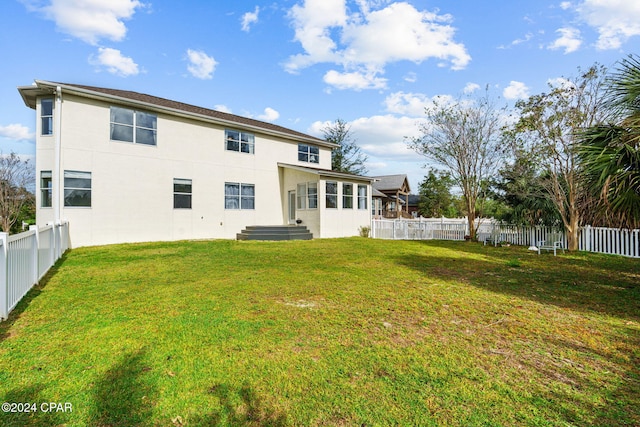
(389, 182)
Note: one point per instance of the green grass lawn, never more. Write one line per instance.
(327, 333)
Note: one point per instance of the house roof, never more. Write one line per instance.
(326, 172)
(390, 182)
(376, 193)
(44, 88)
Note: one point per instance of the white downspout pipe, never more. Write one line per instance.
(58, 192)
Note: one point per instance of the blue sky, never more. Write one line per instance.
(302, 64)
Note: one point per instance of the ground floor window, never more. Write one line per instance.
(307, 195)
(46, 189)
(239, 196)
(182, 191)
(362, 197)
(77, 189)
(331, 196)
(347, 196)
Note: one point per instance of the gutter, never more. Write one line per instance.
(57, 155)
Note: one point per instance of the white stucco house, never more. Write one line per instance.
(122, 166)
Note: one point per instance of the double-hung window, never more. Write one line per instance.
(312, 195)
(362, 197)
(308, 153)
(301, 196)
(77, 189)
(46, 116)
(331, 196)
(239, 196)
(347, 196)
(182, 191)
(133, 126)
(46, 189)
(239, 141)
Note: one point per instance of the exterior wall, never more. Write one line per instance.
(341, 222)
(309, 217)
(132, 185)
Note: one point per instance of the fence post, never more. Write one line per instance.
(35, 249)
(4, 285)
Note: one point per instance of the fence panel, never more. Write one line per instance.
(25, 258)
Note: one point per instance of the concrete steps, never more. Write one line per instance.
(275, 232)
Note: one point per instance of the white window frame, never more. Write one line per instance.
(182, 193)
(362, 198)
(305, 153)
(70, 189)
(46, 189)
(246, 142)
(47, 117)
(134, 126)
(347, 197)
(240, 198)
(331, 196)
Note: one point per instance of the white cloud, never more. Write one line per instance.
(615, 20)
(223, 108)
(470, 88)
(565, 5)
(569, 40)
(411, 77)
(201, 65)
(16, 132)
(413, 104)
(88, 20)
(269, 115)
(360, 40)
(114, 62)
(516, 90)
(249, 18)
(355, 80)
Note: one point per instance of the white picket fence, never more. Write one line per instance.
(25, 258)
(591, 239)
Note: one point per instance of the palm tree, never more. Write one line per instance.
(610, 151)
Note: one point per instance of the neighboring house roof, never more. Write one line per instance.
(43, 88)
(414, 199)
(377, 193)
(326, 172)
(390, 182)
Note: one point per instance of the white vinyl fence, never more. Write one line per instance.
(25, 258)
(591, 239)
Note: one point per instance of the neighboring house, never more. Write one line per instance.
(414, 205)
(123, 166)
(390, 196)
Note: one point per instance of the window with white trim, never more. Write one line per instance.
(308, 153)
(312, 195)
(362, 197)
(239, 196)
(301, 196)
(239, 141)
(182, 192)
(77, 189)
(133, 126)
(46, 116)
(347, 196)
(46, 189)
(331, 195)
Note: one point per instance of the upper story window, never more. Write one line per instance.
(46, 116)
(308, 153)
(239, 141)
(133, 126)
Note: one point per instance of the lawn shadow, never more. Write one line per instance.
(34, 292)
(36, 416)
(241, 407)
(124, 396)
(596, 284)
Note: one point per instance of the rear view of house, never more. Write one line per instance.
(122, 166)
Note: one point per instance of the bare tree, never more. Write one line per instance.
(16, 176)
(463, 137)
(547, 127)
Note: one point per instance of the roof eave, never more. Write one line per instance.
(181, 113)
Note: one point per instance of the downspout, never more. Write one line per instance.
(57, 160)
